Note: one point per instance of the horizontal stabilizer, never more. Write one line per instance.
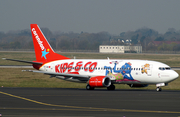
(30, 62)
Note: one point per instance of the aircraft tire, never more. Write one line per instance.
(158, 89)
(111, 87)
(88, 87)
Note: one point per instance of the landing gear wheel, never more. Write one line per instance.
(88, 87)
(111, 87)
(158, 89)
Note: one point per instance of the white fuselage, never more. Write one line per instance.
(121, 71)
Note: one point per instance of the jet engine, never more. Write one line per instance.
(100, 81)
(138, 85)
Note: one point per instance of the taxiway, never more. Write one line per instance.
(48, 102)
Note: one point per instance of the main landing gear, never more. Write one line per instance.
(111, 87)
(88, 87)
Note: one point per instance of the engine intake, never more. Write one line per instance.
(100, 81)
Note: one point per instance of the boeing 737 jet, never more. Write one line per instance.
(97, 72)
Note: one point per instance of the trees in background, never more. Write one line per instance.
(91, 41)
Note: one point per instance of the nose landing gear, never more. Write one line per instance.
(160, 85)
(158, 89)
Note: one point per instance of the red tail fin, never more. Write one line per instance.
(43, 50)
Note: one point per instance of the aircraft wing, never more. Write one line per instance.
(52, 74)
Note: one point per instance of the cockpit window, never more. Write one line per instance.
(167, 68)
(161, 68)
(164, 68)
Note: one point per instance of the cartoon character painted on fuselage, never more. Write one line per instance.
(125, 70)
(108, 70)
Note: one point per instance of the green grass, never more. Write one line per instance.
(28, 56)
(16, 78)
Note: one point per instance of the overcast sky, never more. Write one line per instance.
(93, 16)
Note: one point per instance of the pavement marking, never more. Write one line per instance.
(85, 108)
(63, 109)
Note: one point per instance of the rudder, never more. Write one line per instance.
(43, 50)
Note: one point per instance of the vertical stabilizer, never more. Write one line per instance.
(43, 50)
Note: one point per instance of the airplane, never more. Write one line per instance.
(97, 72)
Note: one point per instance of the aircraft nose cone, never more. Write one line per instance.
(175, 75)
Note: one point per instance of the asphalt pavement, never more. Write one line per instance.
(59, 102)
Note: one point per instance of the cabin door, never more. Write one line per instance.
(149, 70)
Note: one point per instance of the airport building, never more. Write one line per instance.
(119, 49)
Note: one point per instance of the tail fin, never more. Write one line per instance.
(43, 51)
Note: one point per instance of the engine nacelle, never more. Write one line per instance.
(100, 81)
(138, 85)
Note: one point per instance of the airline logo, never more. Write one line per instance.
(44, 52)
(38, 39)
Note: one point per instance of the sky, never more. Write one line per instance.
(92, 16)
